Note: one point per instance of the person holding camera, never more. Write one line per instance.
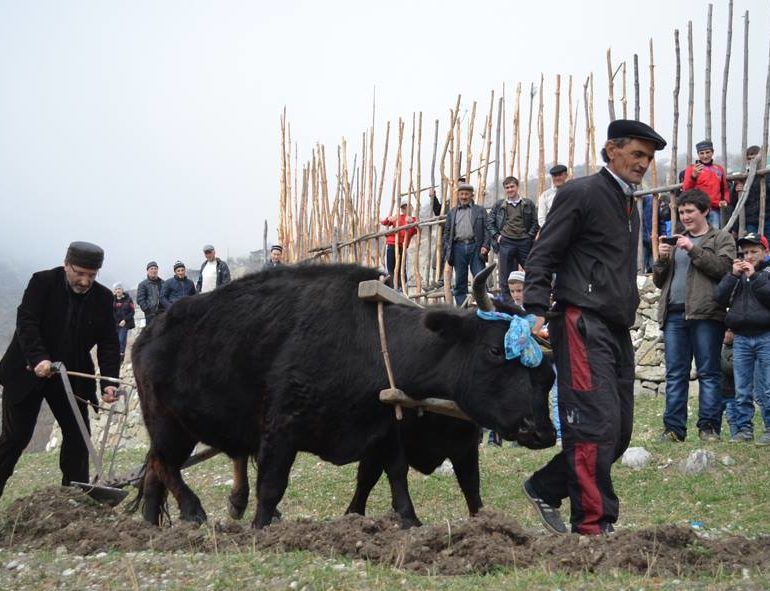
(688, 269)
(746, 290)
(710, 178)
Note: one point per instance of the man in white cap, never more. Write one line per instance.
(63, 314)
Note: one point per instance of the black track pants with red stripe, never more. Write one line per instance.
(595, 364)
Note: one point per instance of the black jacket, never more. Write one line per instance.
(123, 309)
(478, 221)
(497, 215)
(590, 242)
(148, 296)
(56, 324)
(223, 274)
(751, 207)
(748, 299)
(175, 289)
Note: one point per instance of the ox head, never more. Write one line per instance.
(497, 393)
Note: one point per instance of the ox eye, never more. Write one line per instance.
(496, 351)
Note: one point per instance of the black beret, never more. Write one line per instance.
(152, 264)
(704, 145)
(85, 254)
(558, 169)
(277, 247)
(621, 128)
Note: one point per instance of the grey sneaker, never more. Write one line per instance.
(743, 436)
(764, 439)
(548, 514)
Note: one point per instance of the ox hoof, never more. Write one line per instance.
(410, 522)
(236, 506)
(197, 516)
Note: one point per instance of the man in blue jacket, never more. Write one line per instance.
(465, 240)
(176, 288)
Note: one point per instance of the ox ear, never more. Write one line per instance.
(448, 325)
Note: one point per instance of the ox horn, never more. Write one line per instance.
(480, 289)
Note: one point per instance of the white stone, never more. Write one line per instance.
(727, 461)
(69, 572)
(697, 462)
(445, 469)
(651, 373)
(636, 458)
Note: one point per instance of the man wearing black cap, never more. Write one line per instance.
(710, 178)
(590, 243)
(176, 288)
(214, 271)
(545, 201)
(148, 293)
(276, 252)
(64, 312)
(465, 240)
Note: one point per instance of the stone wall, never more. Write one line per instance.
(648, 341)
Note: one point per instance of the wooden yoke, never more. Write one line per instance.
(377, 291)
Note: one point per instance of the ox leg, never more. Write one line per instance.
(369, 472)
(239, 495)
(273, 468)
(153, 492)
(466, 468)
(397, 469)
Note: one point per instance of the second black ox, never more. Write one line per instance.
(289, 360)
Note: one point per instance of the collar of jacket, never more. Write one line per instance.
(611, 176)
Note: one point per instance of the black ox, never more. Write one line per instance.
(289, 360)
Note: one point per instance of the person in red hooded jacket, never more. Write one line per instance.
(404, 237)
(709, 178)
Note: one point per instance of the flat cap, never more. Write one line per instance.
(704, 145)
(85, 254)
(558, 169)
(277, 247)
(621, 128)
(179, 264)
(516, 276)
(465, 187)
(152, 264)
(208, 247)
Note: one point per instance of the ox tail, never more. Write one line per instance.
(136, 503)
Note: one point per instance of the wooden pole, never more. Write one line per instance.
(588, 126)
(654, 169)
(515, 139)
(556, 122)
(469, 146)
(624, 100)
(378, 210)
(672, 167)
(763, 153)
(611, 86)
(745, 121)
(708, 73)
(593, 126)
(497, 147)
(540, 141)
(487, 148)
(571, 130)
(690, 91)
(416, 266)
(636, 87)
(524, 182)
(504, 150)
(725, 77)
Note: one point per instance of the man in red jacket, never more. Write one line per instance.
(404, 237)
(709, 178)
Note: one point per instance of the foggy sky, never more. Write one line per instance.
(152, 128)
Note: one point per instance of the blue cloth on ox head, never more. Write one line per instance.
(519, 342)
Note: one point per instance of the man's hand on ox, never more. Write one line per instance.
(110, 395)
(43, 369)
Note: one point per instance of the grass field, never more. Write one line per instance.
(728, 499)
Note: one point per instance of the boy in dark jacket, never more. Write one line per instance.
(176, 288)
(746, 289)
(123, 312)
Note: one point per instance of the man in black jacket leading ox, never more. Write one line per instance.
(64, 312)
(590, 242)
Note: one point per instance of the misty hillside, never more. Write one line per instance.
(11, 287)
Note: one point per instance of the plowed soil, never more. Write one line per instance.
(55, 517)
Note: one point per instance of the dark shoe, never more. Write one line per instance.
(548, 514)
(708, 435)
(669, 436)
(743, 436)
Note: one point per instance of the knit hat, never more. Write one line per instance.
(152, 264)
(117, 286)
(178, 264)
(516, 276)
(704, 145)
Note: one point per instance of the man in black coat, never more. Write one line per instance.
(589, 241)
(62, 315)
(148, 293)
(465, 240)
